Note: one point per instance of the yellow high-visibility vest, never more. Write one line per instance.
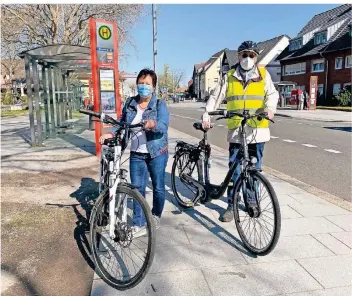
(250, 98)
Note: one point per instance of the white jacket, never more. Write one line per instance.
(254, 135)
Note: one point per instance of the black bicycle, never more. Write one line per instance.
(122, 252)
(256, 208)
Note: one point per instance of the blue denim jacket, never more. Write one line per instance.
(157, 139)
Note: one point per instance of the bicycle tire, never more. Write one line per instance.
(110, 280)
(277, 216)
(183, 204)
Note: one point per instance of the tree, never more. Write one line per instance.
(133, 89)
(27, 26)
(171, 78)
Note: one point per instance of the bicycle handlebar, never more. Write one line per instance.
(90, 112)
(109, 120)
(246, 115)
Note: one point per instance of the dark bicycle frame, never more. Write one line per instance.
(212, 191)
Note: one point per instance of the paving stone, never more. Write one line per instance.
(317, 209)
(333, 244)
(174, 258)
(186, 282)
(330, 272)
(345, 221)
(293, 247)
(288, 213)
(260, 279)
(344, 237)
(300, 226)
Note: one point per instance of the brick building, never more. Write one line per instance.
(322, 48)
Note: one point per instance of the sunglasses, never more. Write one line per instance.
(251, 55)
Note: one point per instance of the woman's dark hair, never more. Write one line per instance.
(148, 72)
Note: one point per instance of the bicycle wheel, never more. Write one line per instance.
(124, 261)
(183, 192)
(259, 234)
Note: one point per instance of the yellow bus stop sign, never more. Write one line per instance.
(105, 32)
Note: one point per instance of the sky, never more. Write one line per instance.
(190, 34)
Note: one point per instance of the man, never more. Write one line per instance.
(242, 87)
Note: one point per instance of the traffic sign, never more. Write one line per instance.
(105, 32)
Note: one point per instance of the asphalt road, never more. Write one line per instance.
(317, 153)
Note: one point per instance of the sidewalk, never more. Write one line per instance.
(196, 254)
(318, 114)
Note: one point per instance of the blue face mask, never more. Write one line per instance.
(144, 90)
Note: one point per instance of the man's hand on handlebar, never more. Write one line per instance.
(270, 113)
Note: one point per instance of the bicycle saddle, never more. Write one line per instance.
(198, 126)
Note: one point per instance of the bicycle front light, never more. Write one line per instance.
(254, 160)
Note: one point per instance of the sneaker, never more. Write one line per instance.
(156, 220)
(228, 215)
(138, 231)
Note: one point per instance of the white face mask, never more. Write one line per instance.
(247, 63)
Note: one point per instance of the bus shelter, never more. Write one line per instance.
(53, 91)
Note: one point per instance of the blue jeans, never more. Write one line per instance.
(140, 165)
(254, 150)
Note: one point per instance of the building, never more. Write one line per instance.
(210, 74)
(197, 68)
(127, 85)
(323, 49)
(269, 50)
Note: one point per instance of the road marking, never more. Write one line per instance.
(332, 151)
(183, 116)
(220, 125)
(289, 141)
(309, 145)
(273, 137)
(299, 123)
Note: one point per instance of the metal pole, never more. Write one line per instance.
(45, 99)
(27, 61)
(57, 97)
(51, 97)
(65, 101)
(154, 41)
(37, 100)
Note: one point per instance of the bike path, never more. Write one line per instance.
(196, 254)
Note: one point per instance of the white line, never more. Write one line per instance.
(183, 116)
(309, 145)
(299, 123)
(273, 137)
(220, 125)
(289, 141)
(332, 151)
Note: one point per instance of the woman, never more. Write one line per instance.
(149, 148)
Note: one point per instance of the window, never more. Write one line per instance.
(320, 89)
(295, 44)
(295, 69)
(301, 87)
(338, 63)
(318, 65)
(336, 89)
(348, 62)
(320, 38)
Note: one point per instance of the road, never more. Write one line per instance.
(317, 153)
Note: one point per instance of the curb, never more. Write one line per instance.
(306, 187)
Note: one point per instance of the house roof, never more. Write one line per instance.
(325, 19)
(264, 46)
(340, 39)
(213, 58)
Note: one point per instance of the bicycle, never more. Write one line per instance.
(112, 235)
(192, 164)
